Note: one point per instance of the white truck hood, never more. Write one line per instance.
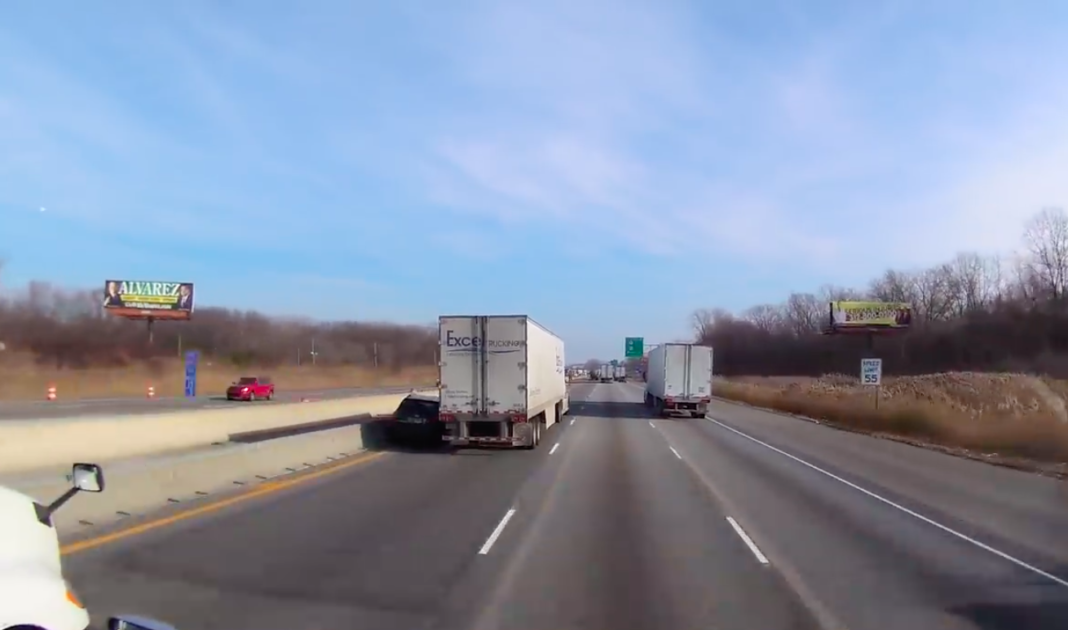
(32, 588)
(26, 544)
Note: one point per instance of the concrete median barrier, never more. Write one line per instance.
(34, 445)
(138, 486)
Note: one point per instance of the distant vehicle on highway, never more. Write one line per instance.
(251, 388)
(679, 380)
(416, 419)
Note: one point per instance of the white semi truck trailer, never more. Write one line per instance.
(502, 380)
(679, 379)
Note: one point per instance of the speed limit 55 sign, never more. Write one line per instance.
(871, 371)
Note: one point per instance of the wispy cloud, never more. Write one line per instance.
(614, 126)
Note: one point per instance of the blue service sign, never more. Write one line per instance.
(191, 359)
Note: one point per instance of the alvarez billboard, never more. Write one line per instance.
(143, 299)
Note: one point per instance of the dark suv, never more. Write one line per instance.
(416, 418)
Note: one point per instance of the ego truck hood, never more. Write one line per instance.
(26, 544)
(32, 589)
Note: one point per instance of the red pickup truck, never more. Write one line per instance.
(250, 388)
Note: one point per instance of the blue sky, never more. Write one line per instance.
(606, 167)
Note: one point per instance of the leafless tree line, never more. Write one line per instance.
(69, 329)
(975, 312)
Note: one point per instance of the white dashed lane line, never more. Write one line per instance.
(748, 541)
(496, 533)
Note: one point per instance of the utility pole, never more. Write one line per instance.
(376, 355)
(313, 352)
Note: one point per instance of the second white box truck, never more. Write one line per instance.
(621, 373)
(679, 379)
(502, 380)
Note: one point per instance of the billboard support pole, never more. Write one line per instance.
(151, 330)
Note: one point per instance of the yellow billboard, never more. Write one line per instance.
(851, 314)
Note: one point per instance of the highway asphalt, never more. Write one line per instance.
(744, 520)
(41, 410)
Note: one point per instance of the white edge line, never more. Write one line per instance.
(496, 533)
(748, 541)
(917, 515)
(555, 446)
(675, 452)
(572, 421)
(651, 424)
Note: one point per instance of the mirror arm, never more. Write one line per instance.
(44, 513)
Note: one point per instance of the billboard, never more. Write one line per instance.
(848, 315)
(142, 299)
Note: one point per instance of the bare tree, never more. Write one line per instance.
(805, 313)
(766, 318)
(894, 286)
(830, 293)
(701, 320)
(1046, 238)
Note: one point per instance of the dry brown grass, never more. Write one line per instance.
(24, 380)
(1007, 415)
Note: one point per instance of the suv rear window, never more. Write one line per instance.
(413, 407)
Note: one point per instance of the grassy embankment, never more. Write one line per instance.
(1013, 419)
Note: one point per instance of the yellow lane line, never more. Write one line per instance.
(259, 491)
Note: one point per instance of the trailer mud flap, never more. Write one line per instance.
(523, 433)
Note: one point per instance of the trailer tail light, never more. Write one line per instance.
(669, 401)
(706, 400)
(519, 418)
(447, 417)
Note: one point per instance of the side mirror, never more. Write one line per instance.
(88, 477)
(130, 622)
(83, 478)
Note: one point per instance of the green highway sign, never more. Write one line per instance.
(635, 347)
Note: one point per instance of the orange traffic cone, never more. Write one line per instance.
(151, 392)
(51, 395)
